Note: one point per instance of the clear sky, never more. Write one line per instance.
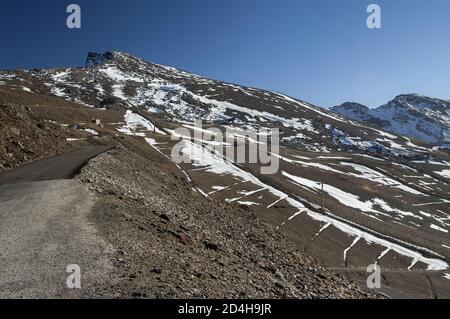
(320, 51)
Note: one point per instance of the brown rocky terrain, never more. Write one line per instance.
(172, 242)
(25, 137)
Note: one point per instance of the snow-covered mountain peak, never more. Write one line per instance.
(420, 102)
(111, 57)
(414, 115)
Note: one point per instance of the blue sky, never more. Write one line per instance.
(320, 51)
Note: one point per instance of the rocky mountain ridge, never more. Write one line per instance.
(413, 115)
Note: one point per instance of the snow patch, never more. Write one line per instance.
(134, 122)
(444, 173)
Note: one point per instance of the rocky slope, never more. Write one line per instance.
(25, 137)
(420, 117)
(385, 197)
(172, 242)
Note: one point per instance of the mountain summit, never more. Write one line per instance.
(420, 117)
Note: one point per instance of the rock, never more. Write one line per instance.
(186, 240)
(157, 271)
(164, 217)
(322, 276)
(138, 295)
(211, 246)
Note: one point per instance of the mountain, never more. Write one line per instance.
(120, 81)
(346, 193)
(420, 117)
